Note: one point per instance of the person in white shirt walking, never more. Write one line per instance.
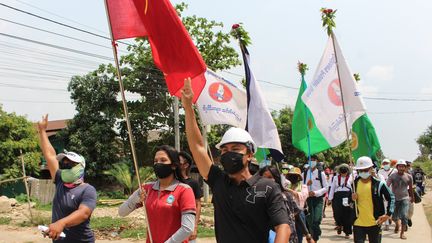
(316, 181)
(340, 199)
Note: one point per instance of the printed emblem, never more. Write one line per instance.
(253, 193)
(72, 196)
(354, 140)
(170, 199)
(334, 93)
(220, 92)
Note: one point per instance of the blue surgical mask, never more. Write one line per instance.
(386, 167)
(364, 175)
(313, 164)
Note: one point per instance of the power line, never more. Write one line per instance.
(62, 24)
(58, 34)
(263, 81)
(59, 16)
(58, 47)
(395, 99)
(35, 101)
(31, 87)
(399, 112)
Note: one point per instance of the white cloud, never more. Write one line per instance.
(381, 73)
(368, 89)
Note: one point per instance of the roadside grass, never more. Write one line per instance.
(427, 201)
(5, 220)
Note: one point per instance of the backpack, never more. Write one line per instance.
(319, 177)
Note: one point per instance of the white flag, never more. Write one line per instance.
(323, 96)
(260, 123)
(221, 102)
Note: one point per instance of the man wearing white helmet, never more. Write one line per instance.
(246, 207)
(402, 187)
(369, 197)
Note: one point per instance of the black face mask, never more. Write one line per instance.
(293, 179)
(232, 162)
(343, 170)
(253, 168)
(162, 170)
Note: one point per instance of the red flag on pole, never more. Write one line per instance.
(174, 53)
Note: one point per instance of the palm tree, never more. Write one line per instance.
(126, 178)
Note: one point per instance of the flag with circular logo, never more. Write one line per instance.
(222, 102)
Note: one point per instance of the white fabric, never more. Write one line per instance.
(260, 122)
(342, 187)
(323, 96)
(221, 102)
(316, 184)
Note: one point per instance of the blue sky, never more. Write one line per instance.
(388, 42)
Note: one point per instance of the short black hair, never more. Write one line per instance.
(314, 157)
(187, 157)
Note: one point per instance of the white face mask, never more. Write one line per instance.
(313, 164)
(364, 175)
(386, 167)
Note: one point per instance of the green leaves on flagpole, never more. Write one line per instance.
(327, 16)
(240, 34)
(302, 68)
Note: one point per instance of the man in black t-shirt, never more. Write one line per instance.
(186, 162)
(246, 206)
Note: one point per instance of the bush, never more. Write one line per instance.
(425, 164)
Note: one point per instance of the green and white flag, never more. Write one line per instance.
(364, 141)
(305, 134)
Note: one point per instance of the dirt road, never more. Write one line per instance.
(419, 233)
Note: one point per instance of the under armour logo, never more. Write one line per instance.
(253, 193)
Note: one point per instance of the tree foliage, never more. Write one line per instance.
(17, 133)
(425, 142)
(98, 130)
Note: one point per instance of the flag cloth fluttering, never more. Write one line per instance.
(304, 128)
(260, 124)
(173, 51)
(323, 95)
(364, 141)
(222, 102)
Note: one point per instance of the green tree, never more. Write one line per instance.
(100, 113)
(17, 133)
(425, 142)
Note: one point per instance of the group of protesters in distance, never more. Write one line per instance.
(251, 204)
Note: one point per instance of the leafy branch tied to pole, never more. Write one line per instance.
(328, 15)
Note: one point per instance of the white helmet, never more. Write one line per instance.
(386, 161)
(401, 162)
(237, 135)
(363, 162)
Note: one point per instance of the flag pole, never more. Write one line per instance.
(302, 72)
(126, 116)
(344, 112)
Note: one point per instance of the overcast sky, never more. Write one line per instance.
(389, 42)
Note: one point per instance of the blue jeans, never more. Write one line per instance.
(401, 211)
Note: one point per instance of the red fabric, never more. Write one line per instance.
(174, 53)
(164, 210)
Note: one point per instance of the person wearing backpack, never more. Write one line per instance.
(368, 195)
(316, 181)
(340, 199)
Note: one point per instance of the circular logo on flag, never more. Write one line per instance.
(220, 92)
(310, 124)
(354, 141)
(334, 93)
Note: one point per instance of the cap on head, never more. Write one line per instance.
(386, 161)
(363, 162)
(401, 162)
(72, 156)
(237, 135)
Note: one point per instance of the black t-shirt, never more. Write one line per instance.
(198, 193)
(245, 212)
(66, 201)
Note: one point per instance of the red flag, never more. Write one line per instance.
(174, 53)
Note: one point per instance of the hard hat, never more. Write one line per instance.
(386, 161)
(237, 135)
(401, 162)
(363, 162)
